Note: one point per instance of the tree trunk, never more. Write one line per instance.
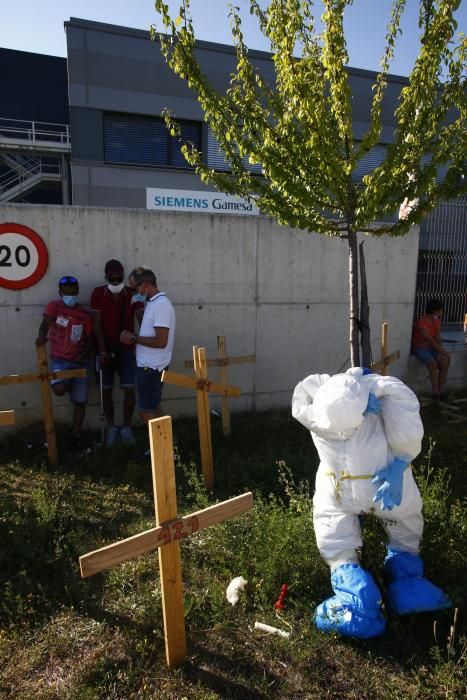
(353, 295)
(364, 312)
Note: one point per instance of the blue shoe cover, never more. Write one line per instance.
(409, 591)
(355, 610)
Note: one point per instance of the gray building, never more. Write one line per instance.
(119, 84)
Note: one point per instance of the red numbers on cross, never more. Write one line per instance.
(178, 530)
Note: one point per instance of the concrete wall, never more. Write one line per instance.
(272, 291)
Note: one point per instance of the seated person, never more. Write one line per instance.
(69, 328)
(428, 347)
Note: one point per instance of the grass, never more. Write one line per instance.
(102, 638)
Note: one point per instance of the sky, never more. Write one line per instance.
(29, 25)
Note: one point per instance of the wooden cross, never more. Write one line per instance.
(7, 417)
(386, 359)
(223, 361)
(44, 376)
(203, 387)
(166, 537)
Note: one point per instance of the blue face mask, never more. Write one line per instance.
(138, 297)
(70, 299)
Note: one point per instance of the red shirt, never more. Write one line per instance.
(117, 314)
(67, 335)
(428, 323)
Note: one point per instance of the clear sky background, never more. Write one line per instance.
(37, 25)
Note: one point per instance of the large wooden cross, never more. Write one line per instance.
(203, 387)
(386, 359)
(223, 361)
(166, 537)
(44, 376)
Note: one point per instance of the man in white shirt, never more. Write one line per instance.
(154, 344)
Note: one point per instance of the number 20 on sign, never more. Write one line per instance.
(23, 256)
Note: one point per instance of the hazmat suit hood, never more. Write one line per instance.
(337, 406)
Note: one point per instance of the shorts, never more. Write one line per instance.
(79, 386)
(125, 364)
(148, 389)
(425, 355)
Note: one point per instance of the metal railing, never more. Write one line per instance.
(29, 169)
(34, 132)
(442, 266)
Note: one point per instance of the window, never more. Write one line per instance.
(216, 159)
(369, 161)
(146, 141)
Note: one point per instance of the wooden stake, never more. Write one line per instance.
(384, 346)
(204, 418)
(150, 540)
(225, 411)
(165, 537)
(47, 406)
(222, 361)
(203, 387)
(386, 359)
(7, 417)
(165, 499)
(44, 376)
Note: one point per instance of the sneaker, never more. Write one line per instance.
(126, 435)
(444, 397)
(112, 436)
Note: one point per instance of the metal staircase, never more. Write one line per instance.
(33, 154)
(25, 174)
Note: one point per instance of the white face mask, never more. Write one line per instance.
(115, 288)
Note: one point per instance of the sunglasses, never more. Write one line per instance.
(68, 279)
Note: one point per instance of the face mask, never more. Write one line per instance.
(138, 297)
(115, 288)
(70, 300)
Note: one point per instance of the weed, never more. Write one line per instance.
(102, 638)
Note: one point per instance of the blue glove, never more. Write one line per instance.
(391, 480)
(372, 406)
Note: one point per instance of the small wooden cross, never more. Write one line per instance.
(203, 387)
(7, 417)
(223, 361)
(44, 376)
(386, 359)
(165, 537)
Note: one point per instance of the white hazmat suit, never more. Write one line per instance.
(366, 428)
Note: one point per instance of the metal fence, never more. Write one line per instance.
(442, 267)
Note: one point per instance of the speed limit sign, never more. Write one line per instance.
(23, 256)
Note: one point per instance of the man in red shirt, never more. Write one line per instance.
(428, 347)
(69, 328)
(114, 312)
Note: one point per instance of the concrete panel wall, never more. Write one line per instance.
(275, 292)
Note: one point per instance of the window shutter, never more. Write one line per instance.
(146, 141)
(374, 157)
(216, 159)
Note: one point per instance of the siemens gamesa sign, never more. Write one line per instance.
(198, 202)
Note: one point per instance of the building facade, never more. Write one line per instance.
(34, 128)
(119, 84)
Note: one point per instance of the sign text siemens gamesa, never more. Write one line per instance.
(198, 202)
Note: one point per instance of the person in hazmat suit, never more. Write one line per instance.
(367, 430)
